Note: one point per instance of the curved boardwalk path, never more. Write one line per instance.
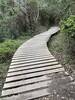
(29, 75)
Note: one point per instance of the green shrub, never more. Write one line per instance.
(68, 26)
(68, 30)
(7, 49)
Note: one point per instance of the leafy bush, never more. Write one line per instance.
(68, 26)
(68, 30)
(8, 48)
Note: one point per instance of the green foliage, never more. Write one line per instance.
(25, 17)
(56, 9)
(44, 17)
(15, 19)
(8, 48)
(8, 13)
(3, 72)
(68, 39)
(68, 26)
(56, 47)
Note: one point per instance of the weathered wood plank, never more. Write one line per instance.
(30, 95)
(27, 88)
(32, 60)
(32, 63)
(31, 75)
(32, 67)
(33, 70)
(26, 82)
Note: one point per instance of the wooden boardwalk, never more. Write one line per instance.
(29, 75)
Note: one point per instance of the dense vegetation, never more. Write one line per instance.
(68, 30)
(22, 19)
(62, 44)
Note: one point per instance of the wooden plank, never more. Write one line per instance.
(25, 82)
(34, 60)
(29, 95)
(32, 67)
(35, 56)
(33, 70)
(31, 75)
(32, 63)
(34, 80)
(27, 88)
(31, 52)
(36, 90)
(31, 55)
